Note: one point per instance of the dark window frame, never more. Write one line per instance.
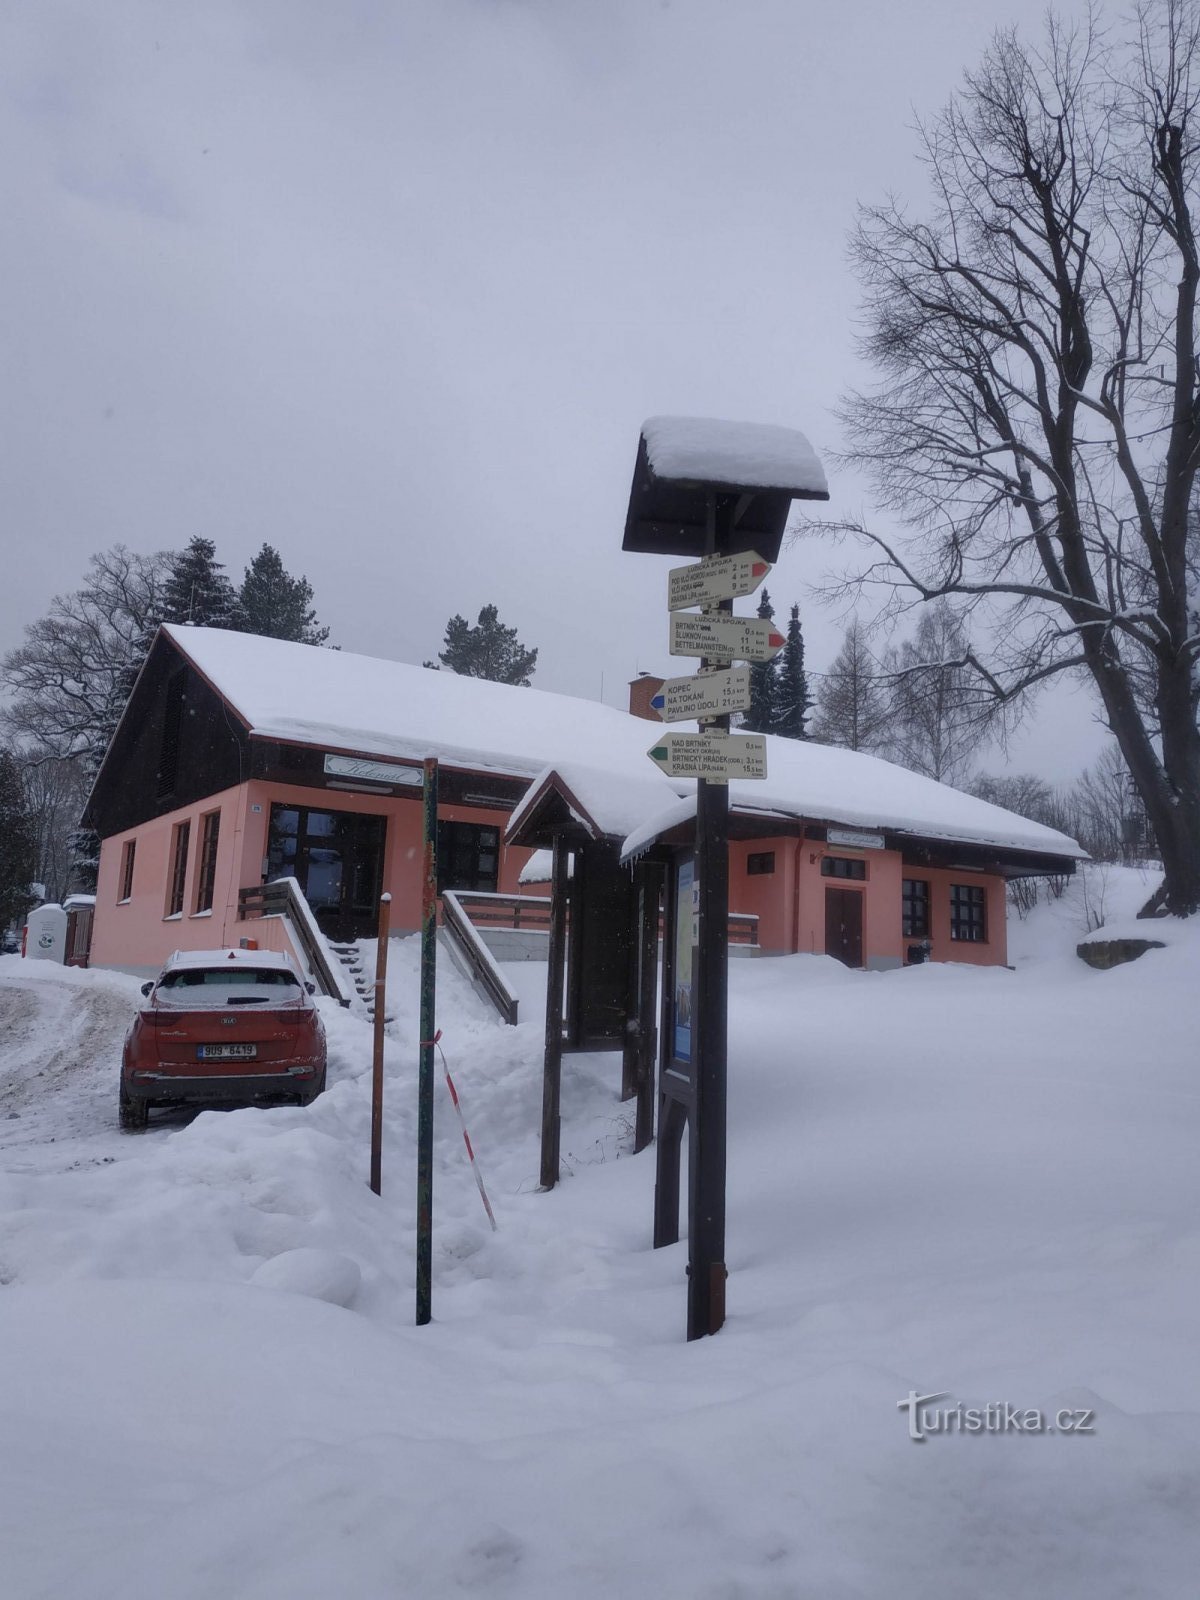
(206, 875)
(845, 869)
(760, 863)
(968, 913)
(128, 853)
(181, 842)
(461, 848)
(912, 901)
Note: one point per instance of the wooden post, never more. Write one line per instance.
(425, 1069)
(557, 960)
(649, 893)
(380, 992)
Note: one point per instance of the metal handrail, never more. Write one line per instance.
(481, 965)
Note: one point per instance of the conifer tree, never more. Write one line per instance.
(487, 650)
(197, 589)
(17, 842)
(760, 718)
(274, 604)
(792, 703)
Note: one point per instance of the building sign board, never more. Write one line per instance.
(721, 637)
(708, 694)
(716, 578)
(715, 756)
(854, 838)
(371, 771)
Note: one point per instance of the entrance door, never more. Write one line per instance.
(843, 925)
(337, 859)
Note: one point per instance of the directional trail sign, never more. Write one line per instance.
(716, 578)
(709, 694)
(715, 756)
(724, 638)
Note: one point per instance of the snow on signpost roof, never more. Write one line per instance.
(330, 698)
(757, 455)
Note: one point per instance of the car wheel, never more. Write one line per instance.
(307, 1100)
(134, 1114)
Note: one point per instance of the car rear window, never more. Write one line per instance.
(229, 978)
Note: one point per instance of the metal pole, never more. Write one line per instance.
(706, 1223)
(425, 1072)
(385, 908)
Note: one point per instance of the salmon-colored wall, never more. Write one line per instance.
(790, 902)
(770, 896)
(140, 934)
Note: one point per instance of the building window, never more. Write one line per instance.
(128, 851)
(468, 856)
(172, 726)
(843, 867)
(760, 864)
(207, 877)
(968, 912)
(916, 908)
(179, 855)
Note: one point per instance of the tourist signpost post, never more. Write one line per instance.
(720, 491)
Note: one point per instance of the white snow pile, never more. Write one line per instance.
(969, 1182)
(756, 455)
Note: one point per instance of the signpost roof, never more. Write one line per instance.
(683, 461)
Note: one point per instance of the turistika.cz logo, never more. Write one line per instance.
(925, 1417)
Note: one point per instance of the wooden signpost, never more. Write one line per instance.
(716, 578)
(708, 694)
(721, 491)
(693, 1080)
(716, 757)
(723, 638)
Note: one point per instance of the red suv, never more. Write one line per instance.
(222, 1025)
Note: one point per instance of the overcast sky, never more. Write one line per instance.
(391, 284)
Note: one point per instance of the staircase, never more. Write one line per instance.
(350, 954)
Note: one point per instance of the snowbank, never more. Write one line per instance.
(946, 1178)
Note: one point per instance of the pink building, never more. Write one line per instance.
(243, 761)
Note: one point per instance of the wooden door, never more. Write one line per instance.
(844, 925)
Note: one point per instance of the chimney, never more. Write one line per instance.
(641, 690)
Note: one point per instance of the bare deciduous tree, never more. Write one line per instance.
(851, 709)
(1038, 423)
(937, 714)
(70, 678)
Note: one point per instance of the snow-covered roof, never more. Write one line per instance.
(612, 800)
(346, 702)
(341, 701)
(758, 455)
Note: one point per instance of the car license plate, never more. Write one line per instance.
(226, 1052)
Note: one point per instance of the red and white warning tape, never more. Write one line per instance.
(487, 1204)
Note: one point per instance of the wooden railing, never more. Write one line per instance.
(479, 964)
(488, 910)
(285, 898)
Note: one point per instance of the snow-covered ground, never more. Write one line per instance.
(943, 1179)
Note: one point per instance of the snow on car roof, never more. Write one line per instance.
(226, 958)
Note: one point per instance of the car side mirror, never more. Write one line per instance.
(311, 987)
(148, 986)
